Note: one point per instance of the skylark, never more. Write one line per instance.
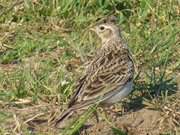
(109, 76)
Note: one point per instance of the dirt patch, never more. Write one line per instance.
(142, 122)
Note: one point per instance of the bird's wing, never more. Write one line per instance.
(111, 68)
(79, 85)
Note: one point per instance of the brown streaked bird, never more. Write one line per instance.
(109, 76)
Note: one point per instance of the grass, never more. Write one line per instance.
(44, 43)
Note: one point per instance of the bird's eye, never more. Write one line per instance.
(101, 28)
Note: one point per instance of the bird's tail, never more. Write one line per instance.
(66, 114)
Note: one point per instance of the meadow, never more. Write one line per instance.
(45, 44)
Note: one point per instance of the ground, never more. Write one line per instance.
(45, 45)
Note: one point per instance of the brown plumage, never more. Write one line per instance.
(108, 78)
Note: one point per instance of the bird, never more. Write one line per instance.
(108, 78)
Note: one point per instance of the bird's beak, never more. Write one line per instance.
(93, 29)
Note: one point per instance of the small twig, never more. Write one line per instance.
(30, 119)
(17, 126)
(7, 46)
(31, 108)
(11, 7)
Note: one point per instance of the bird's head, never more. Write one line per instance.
(106, 30)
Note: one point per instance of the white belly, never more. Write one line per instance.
(121, 94)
